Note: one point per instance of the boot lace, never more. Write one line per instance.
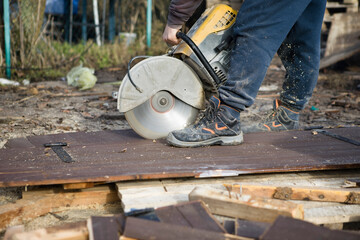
(272, 115)
(208, 116)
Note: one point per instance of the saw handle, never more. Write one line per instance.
(216, 81)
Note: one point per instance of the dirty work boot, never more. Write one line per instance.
(282, 118)
(219, 126)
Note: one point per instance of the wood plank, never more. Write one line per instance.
(98, 157)
(145, 229)
(250, 229)
(72, 231)
(289, 228)
(246, 207)
(327, 213)
(298, 193)
(106, 228)
(192, 214)
(38, 203)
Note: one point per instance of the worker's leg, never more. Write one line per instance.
(300, 54)
(261, 26)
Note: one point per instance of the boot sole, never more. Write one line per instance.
(220, 140)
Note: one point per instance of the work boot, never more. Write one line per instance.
(219, 126)
(280, 119)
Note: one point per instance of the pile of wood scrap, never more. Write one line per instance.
(191, 220)
(309, 205)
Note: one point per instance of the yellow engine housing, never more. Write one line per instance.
(218, 18)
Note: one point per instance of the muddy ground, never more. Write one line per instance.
(54, 107)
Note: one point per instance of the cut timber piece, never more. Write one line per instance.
(106, 228)
(150, 197)
(144, 229)
(192, 214)
(294, 229)
(297, 193)
(71, 231)
(350, 183)
(326, 213)
(246, 207)
(250, 229)
(38, 203)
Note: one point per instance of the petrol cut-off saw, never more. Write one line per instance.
(165, 93)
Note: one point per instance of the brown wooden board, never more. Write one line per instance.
(250, 229)
(144, 229)
(191, 214)
(294, 229)
(106, 228)
(122, 155)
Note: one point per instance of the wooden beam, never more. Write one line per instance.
(329, 213)
(144, 229)
(297, 193)
(38, 203)
(246, 207)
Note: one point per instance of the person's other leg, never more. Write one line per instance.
(260, 28)
(300, 54)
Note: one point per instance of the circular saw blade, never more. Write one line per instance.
(159, 115)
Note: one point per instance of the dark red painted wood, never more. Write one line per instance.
(294, 229)
(190, 214)
(123, 155)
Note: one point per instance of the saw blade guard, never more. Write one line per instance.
(160, 73)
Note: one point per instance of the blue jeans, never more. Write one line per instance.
(292, 28)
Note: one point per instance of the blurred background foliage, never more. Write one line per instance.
(39, 50)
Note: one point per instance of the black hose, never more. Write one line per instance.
(128, 72)
(201, 57)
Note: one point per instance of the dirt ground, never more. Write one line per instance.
(54, 107)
